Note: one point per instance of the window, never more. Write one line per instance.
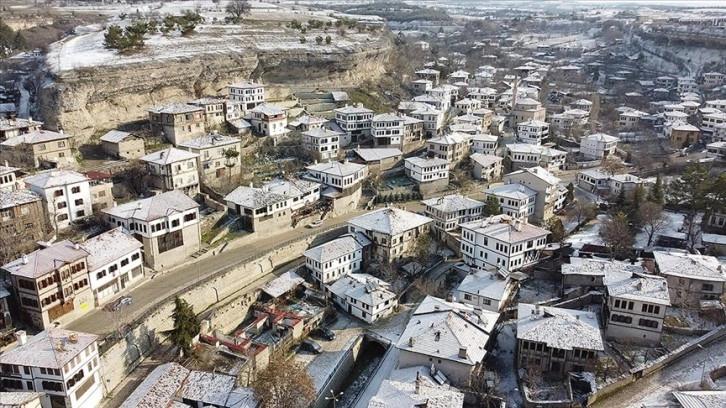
(171, 240)
(175, 223)
(75, 190)
(190, 217)
(707, 287)
(61, 205)
(135, 256)
(62, 217)
(80, 213)
(467, 296)
(61, 144)
(78, 201)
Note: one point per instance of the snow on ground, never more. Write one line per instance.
(538, 291)
(24, 106)
(688, 318)
(589, 234)
(503, 364)
(674, 225)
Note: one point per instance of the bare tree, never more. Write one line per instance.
(617, 235)
(284, 384)
(582, 212)
(237, 8)
(425, 286)
(612, 165)
(652, 219)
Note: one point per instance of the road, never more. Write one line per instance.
(656, 388)
(157, 287)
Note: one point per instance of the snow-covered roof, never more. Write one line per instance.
(602, 137)
(390, 221)
(581, 102)
(176, 108)
(611, 271)
(701, 399)
(35, 136)
(453, 203)
(352, 109)
(451, 139)
(339, 96)
(8, 169)
(685, 127)
(468, 118)
(527, 102)
(534, 123)
(45, 260)
(428, 72)
(51, 348)
(506, 229)
(246, 85)
(513, 190)
(321, 133)
(270, 193)
(55, 178)
(627, 178)
(425, 162)
(371, 155)
(208, 388)
(336, 168)
(527, 148)
(401, 391)
(282, 284)
(559, 328)
(19, 399)
(158, 388)
(691, 266)
(311, 119)
(108, 247)
(538, 172)
(17, 123)
(115, 136)
(153, 208)
(485, 160)
(12, 198)
(484, 283)
(362, 287)
(269, 109)
(388, 117)
(346, 244)
(242, 398)
(212, 140)
(641, 287)
(168, 156)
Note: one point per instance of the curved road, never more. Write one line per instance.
(657, 387)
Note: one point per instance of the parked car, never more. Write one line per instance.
(311, 346)
(324, 333)
(119, 303)
(315, 224)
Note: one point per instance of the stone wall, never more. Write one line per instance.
(432, 188)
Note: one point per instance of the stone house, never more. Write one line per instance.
(485, 166)
(177, 122)
(123, 145)
(38, 148)
(173, 169)
(23, 221)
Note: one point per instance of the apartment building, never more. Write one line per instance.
(173, 169)
(427, 169)
(393, 231)
(549, 195)
(533, 131)
(66, 195)
(178, 122)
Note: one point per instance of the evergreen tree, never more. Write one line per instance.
(634, 206)
(570, 196)
(186, 326)
(690, 193)
(492, 207)
(557, 230)
(655, 194)
(620, 202)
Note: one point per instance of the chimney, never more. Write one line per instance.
(60, 131)
(6, 163)
(449, 297)
(73, 337)
(462, 352)
(76, 246)
(161, 154)
(25, 259)
(639, 285)
(30, 118)
(21, 337)
(411, 342)
(139, 205)
(536, 309)
(418, 382)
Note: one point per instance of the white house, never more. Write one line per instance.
(394, 232)
(485, 143)
(339, 175)
(114, 263)
(355, 121)
(322, 143)
(269, 119)
(61, 364)
(167, 224)
(363, 296)
(635, 308)
(550, 197)
(691, 278)
(173, 169)
(527, 155)
(502, 242)
(66, 194)
(448, 212)
(598, 146)
(515, 200)
(533, 131)
(453, 338)
(248, 93)
(424, 169)
(486, 166)
(342, 256)
(433, 119)
(387, 130)
(485, 290)
(452, 147)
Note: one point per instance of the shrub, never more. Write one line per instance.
(328, 40)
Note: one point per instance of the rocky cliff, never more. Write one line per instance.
(90, 97)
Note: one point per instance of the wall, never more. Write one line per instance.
(432, 188)
(337, 377)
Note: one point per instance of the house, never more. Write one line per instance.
(713, 79)
(627, 183)
(249, 93)
(8, 178)
(355, 120)
(484, 143)
(273, 206)
(38, 148)
(467, 105)
(66, 195)
(21, 399)
(167, 224)
(700, 399)
(215, 157)
(502, 242)
(421, 86)
(687, 85)
(123, 145)
(484, 289)
(523, 155)
(485, 166)
(214, 111)
(515, 200)
(569, 119)
(100, 185)
(453, 338)
(363, 296)
(51, 284)
(433, 119)
(430, 174)
(306, 123)
(10, 128)
(459, 76)
(178, 122)
(557, 340)
(416, 387)
(114, 263)
(634, 308)
(598, 146)
(488, 96)
(629, 119)
(333, 259)
(342, 181)
(546, 185)
(665, 82)
(413, 131)
(394, 232)
(448, 212)
(524, 110)
(682, 134)
(486, 116)
(581, 104)
(710, 123)
(62, 365)
(594, 181)
(691, 278)
(269, 119)
(379, 160)
(433, 101)
(322, 143)
(387, 130)
(430, 75)
(453, 147)
(173, 169)
(533, 131)
(23, 221)
(591, 273)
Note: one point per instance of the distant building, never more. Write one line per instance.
(598, 146)
(212, 162)
(66, 195)
(177, 122)
(426, 170)
(248, 93)
(334, 259)
(173, 169)
(123, 145)
(526, 109)
(62, 365)
(342, 182)
(8, 178)
(307, 123)
(323, 144)
(430, 75)
(214, 111)
(269, 119)
(634, 308)
(379, 159)
(10, 128)
(682, 135)
(394, 232)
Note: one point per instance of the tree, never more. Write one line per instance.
(231, 160)
(237, 8)
(652, 219)
(422, 249)
(617, 235)
(328, 39)
(612, 165)
(582, 212)
(492, 206)
(655, 194)
(634, 205)
(284, 384)
(557, 230)
(186, 326)
(319, 39)
(570, 196)
(690, 194)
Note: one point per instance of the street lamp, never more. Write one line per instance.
(333, 397)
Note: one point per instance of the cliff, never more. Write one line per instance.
(90, 89)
